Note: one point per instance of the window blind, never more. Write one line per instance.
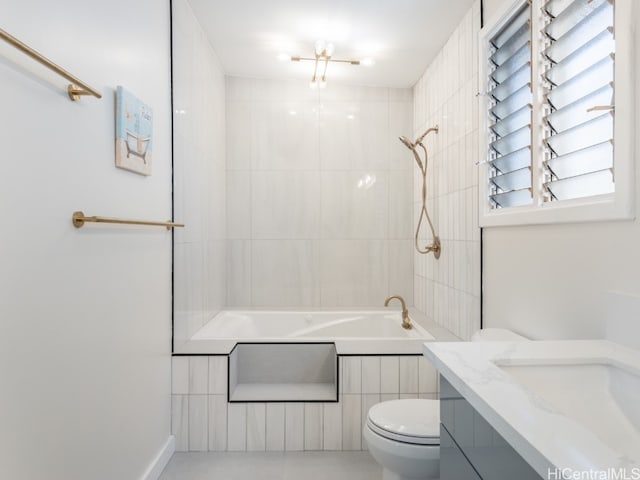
(578, 108)
(510, 104)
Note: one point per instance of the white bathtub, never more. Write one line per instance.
(353, 332)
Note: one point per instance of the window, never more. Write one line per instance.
(556, 146)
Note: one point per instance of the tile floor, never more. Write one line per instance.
(272, 466)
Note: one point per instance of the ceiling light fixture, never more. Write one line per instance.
(322, 56)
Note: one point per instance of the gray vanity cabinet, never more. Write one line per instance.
(470, 448)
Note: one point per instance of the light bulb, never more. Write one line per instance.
(313, 84)
(320, 47)
(283, 57)
(329, 49)
(323, 83)
(367, 62)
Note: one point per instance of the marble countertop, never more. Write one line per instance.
(546, 436)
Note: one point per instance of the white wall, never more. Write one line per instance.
(550, 282)
(305, 226)
(199, 175)
(85, 315)
(448, 290)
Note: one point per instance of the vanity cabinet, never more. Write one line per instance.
(471, 449)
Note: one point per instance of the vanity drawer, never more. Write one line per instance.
(453, 464)
(490, 454)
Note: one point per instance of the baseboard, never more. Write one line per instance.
(160, 461)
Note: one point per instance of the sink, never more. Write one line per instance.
(601, 396)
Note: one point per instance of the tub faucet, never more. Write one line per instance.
(406, 321)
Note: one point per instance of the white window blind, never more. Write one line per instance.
(579, 101)
(510, 106)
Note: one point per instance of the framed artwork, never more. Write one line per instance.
(134, 131)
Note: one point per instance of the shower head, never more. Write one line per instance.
(406, 141)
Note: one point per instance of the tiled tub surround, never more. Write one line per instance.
(203, 420)
(318, 195)
(448, 290)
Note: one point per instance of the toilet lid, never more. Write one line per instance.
(407, 420)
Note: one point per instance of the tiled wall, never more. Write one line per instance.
(318, 194)
(203, 420)
(448, 290)
(199, 175)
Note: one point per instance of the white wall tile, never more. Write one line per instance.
(198, 423)
(217, 423)
(285, 204)
(351, 374)
(256, 427)
(180, 375)
(427, 376)
(352, 422)
(371, 375)
(275, 427)
(294, 427)
(355, 204)
(239, 273)
(332, 424)
(368, 401)
(218, 374)
(385, 397)
(180, 421)
(389, 375)
(285, 273)
(238, 216)
(354, 272)
(313, 426)
(237, 427)
(198, 375)
(409, 374)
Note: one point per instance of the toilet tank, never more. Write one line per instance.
(496, 335)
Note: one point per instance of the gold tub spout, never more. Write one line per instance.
(406, 321)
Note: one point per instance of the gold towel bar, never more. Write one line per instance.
(79, 219)
(75, 89)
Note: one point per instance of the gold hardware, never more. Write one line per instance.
(77, 86)
(319, 57)
(436, 246)
(406, 321)
(79, 219)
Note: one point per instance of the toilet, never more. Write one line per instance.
(403, 436)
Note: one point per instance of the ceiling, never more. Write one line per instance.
(401, 36)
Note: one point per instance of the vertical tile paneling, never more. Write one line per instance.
(237, 427)
(389, 375)
(332, 425)
(218, 375)
(294, 427)
(351, 422)
(256, 427)
(351, 374)
(409, 374)
(368, 401)
(427, 376)
(275, 427)
(218, 423)
(198, 375)
(198, 423)
(180, 421)
(370, 374)
(313, 426)
(180, 375)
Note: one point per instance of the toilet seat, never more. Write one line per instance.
(408, 421)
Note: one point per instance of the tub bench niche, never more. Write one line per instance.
(283, 372)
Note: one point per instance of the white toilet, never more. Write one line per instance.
(403, 436)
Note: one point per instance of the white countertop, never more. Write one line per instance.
(546, 437)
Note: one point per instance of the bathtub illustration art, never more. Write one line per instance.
(134, 127)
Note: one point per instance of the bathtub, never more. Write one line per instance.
(353, 332)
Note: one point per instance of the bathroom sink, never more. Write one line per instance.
(600, 395)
